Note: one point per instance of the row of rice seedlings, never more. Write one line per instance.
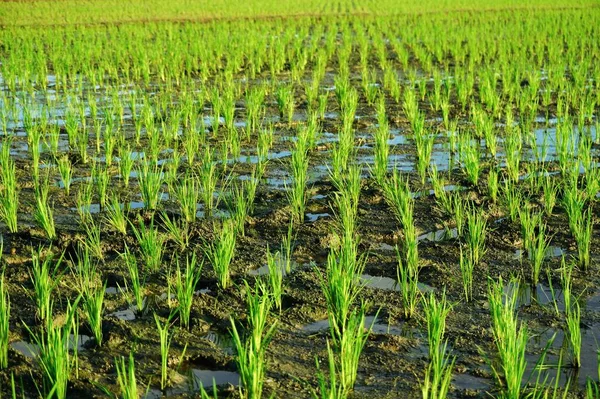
(341, 283)
(251, 348)
(439, 370)
(510, 338)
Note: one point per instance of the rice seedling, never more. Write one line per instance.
(398, 196)
(512, 149)
(126, 377)
(4, 322)
(276, 271)
(185, 285)
(93, 239)
(43, 276)
(510, 337)
(165, 338)
(187, 195)
(583, 237)
(424, 145)
(125, 163)
(459, 212)
(437, 381)
(297, 192)
(341, 284)
(285, 102)
(439, 370)
(54, 357)
(476, 232)
(573, 203)
(468, 149)
(101, 179)
(9, 195)
(381, 149)
(251, 350)
(408, 279)
(442, 196)
(116, 215)
(536, 243)
(151, 243)
(467, 267)
(512, 198)
(435, 315)
(208, 179)
(150, 180)
(221, 251)
(66, 172)
(238, 207)
(178, 230)
(93, 306)
(84, 201)
(550, 190)
(328, 389)
(350, 346)
(44, 212)
(573, 331)
(137, 284)
(493, 186)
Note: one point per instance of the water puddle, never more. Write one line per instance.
(32, 350)
(264, 269)
(313, 217)
(469, 382)
(439, 235)
(128, 314)
(372, 322)
(208, 378)
(590, 341)
(115, 290)
(593, 302)
(541, 294)
(552, 252)
(390, 284)
(220, 340)
(26, 349)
